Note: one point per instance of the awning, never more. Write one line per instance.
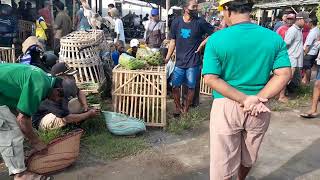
(285, 3)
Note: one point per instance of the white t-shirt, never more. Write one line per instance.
(118, 28)
(312, 38)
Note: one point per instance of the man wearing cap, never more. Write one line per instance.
(134, 46)
(73, 108)
(238, 70)
(294, 41)
(291, 18)
(155, 31)
(22, 89)
(187, 34)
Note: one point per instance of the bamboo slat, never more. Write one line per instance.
(204, 88)
(141, 94)
(7, 54)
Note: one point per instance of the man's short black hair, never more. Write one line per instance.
(110, 5)
(60, 5)
(314, 21)
(239, 6)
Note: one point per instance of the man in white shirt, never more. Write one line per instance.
(118, 25)
(294, 41)
(310, 50)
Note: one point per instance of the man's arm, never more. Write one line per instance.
(203, 43)
(25, 125)
(289, 38)
(83, 100)
(219, 85)
(251, 104)
(171, 48)
(76, 118)
(279, 80)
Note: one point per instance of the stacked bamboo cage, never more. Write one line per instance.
(141, 94)
(80, 50)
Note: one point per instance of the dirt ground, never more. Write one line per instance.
(290, 151)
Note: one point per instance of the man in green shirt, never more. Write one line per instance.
(238, 61)
(22, 89)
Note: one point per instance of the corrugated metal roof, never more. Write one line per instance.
(286, 3)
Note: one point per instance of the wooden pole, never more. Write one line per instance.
(74, 15)
(167, 18)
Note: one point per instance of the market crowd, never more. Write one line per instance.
(40, 93)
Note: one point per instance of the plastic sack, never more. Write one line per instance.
(170, 68)
(121, 124)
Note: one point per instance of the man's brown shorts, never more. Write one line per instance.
(235, 138)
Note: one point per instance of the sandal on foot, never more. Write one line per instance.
(308, 115)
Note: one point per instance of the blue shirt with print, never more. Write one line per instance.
(188, 37)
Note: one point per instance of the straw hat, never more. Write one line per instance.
(30, 41)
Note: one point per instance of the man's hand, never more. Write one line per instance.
(254, 105)
(40, 146)
(166, 61)
(94, 112)
(199, 48)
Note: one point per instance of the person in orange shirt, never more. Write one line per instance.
(289, 22)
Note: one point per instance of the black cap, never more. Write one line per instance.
(62, 69)
(68, 87)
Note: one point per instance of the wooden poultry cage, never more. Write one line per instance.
(7, 54)
(141, 94)
(80, 50)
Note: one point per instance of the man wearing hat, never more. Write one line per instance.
(294, 41)
(238, 70)
(155, 30)
(22, 89)
(291, 18)
(73, 108)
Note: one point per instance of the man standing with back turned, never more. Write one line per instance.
(238, 70)
(186, 35)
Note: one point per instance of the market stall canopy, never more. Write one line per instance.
(285, 3)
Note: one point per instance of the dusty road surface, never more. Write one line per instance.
(290, 151)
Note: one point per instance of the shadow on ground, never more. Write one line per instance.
(302, 163)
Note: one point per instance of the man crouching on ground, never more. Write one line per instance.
(22, 89)
(237, 65)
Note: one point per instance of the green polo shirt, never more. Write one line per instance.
(244, 55)
(23, 87)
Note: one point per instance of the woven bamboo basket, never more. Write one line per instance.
(7, 54)
(62, 152)
(141, 94)
(80, 50)
(204, 88)
(25, 29)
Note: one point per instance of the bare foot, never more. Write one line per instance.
(283, 99)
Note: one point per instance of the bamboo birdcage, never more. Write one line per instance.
(7, 54)
(80, 50)
(141, 94)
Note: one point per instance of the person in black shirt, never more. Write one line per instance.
(186, 35)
